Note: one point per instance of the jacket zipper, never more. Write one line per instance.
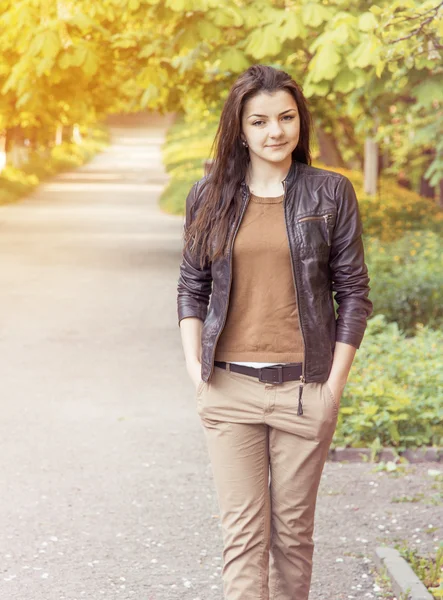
(302, 376)
(230, 281)
(320, 217)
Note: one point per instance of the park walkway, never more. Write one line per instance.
(106, 490)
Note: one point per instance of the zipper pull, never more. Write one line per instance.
(300, 393)
(326, 218)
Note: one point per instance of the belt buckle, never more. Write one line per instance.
(278, 368)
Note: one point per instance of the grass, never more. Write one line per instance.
(428, 567)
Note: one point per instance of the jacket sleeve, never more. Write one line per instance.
(350, 280)
(194, 284)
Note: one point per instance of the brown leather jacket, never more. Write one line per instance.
(324, 230)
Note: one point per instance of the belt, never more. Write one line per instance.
(272, 374)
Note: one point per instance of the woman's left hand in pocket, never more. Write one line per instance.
(337, 390)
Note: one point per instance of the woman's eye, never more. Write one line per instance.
(287, 117)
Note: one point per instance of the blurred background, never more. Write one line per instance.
(373, 75)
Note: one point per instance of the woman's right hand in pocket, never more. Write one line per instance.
(194, 371)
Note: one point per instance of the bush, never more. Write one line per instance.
(186, 147)
(394, 392)
(46, 162)
(394, 210)
(407, 279)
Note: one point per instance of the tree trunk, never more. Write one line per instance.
(349, 140)
(69, 129)
(14, 141)
(426, 190)
(329, 152)
(371, 166)
(15, 156)
(59, 135)
(2, 151)
(76, 135)
(403, 180)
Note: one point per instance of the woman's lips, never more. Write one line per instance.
(277, 145)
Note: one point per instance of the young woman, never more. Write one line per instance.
(268, 238)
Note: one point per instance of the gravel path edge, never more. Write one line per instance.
(405, 583)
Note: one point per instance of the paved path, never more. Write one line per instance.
(106, 490)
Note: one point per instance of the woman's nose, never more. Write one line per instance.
(275, 130)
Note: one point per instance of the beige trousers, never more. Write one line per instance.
(266, 462)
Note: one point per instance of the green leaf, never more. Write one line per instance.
(325, 64)
(23, 99)
(338, 36)
(345, 81)
(365, 54)
(90, 64)
(124, 41)
(186, 38)
(292, 27)
(316, 89)
(82, 21)
(79, 55)
(429, 91)
(380, 67)
(177, 5)
(263, 43)
(226, 16)
(65, 60)
(434, 173)
(233, 60)
(259, 14)
(393, 66)
(393, 431)
(147, 51)
(17, 72)
(150, 94)
(376, 10)
(314, 15)
(45, 66)
(51, 45)
(37, 44)
(367, 22)
(208, 31)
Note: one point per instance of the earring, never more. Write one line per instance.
(245, 143)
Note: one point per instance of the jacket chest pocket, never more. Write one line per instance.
(315, 231)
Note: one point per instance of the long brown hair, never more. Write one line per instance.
(222, 200)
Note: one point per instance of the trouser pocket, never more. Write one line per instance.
(332, 397)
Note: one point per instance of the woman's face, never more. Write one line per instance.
(271, 125)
